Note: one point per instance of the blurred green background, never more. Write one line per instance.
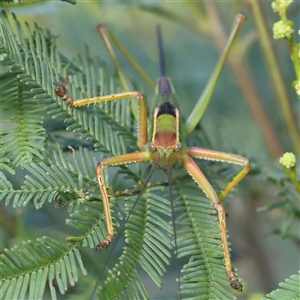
(263, 259)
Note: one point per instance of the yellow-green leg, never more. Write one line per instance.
(129, 158)
(207, 154)
(200, 178)
(124, 159)
(61, 91)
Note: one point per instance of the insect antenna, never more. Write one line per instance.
(164, 87)
(112, 247)
(161, 53)
(173, 223)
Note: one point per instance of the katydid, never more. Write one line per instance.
(166, 145)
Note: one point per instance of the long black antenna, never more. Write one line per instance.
(164, 85)
(162, 64)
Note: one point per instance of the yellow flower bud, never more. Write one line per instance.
(283, 29)
(281, 5)
(288, 160)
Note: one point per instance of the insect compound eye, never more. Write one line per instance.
(152, 146)
(178, 146)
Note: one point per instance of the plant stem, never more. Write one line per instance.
(279, 87)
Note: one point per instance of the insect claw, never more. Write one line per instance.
(236, 285)
(102, 245)
(60, 89)
(106, 243)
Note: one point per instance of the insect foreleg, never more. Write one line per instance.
(129, 158)
(61, 91)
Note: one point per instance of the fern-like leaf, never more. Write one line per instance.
(27, 269)
(148, 246)
(200, 241)
(23, 134)
(290, 289)
(34, 65)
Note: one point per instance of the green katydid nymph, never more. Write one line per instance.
(165, 147)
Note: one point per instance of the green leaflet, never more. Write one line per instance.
(37, 264)
(290, 289)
